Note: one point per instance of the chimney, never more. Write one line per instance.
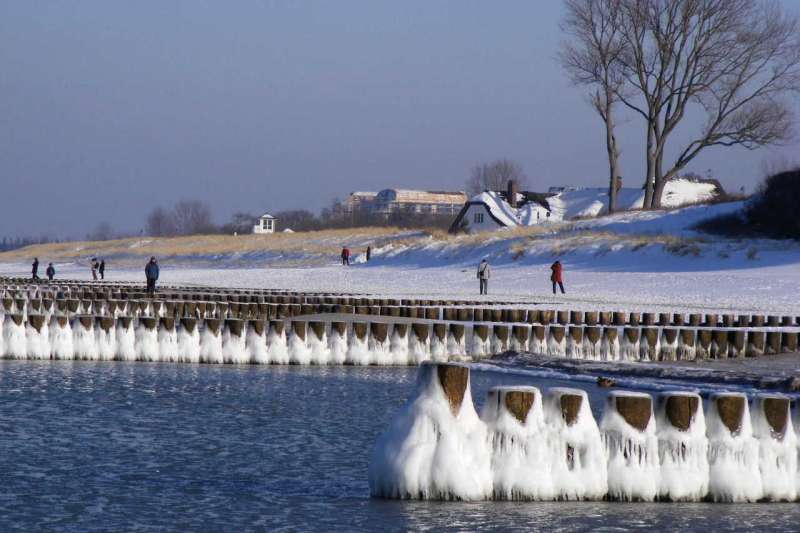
(511, 193)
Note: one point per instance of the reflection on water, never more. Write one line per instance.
(139, 447)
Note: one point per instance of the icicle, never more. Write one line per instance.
(358, 350)
(521, 461)
(126, 339)
(299, 352)
(61, 345)
(399, 344)
(188, 341)
(234, 346)
(629, 437)
(435, 447)
(83, 341)
(211, 342)
(256, 342)
(168, 348)
(578, 459)
(772, 426)
(734, 474)
(105, 338)
(276, 344)
(682, 447)
(338, 343)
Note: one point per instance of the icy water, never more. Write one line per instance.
(159, 447)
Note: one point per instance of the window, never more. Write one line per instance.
(269, 224)
(478, 219)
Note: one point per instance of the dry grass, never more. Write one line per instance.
(323, 242)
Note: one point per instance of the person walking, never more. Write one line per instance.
(102, 269)
(556, 277)
(484, 272)
(51, 271)
(151, 273)
(35, 269)
(369, 253)
(94, 268)
(346, 256)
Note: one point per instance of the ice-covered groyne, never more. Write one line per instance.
(237, 326)
(532, 446)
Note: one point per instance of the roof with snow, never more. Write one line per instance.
(266, 215)
(567, 203)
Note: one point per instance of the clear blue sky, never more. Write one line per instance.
(108, 108)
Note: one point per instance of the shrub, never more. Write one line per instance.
(773, 210)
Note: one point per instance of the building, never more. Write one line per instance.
(491, 210)
(390, 201)
(265, 224)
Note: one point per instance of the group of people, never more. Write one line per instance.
(151, 272)
(485, 272)
(50, 272)
(98, 267)
(346, 255)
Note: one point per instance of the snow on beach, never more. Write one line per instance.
(635, 261)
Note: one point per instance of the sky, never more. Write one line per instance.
(110, 108)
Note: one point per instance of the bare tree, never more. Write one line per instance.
(160, 223)
(494, 176)
(590, 58)
(101, 232)
(735, 61)
(192, 217)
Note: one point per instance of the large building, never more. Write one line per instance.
(390, 201)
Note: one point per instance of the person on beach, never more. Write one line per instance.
(94, 268)
(35, 269)
(151, 273)
(484, 272)
(556, 277)
(369, 253)
(346, 256)
(102, 269)
(51, 271)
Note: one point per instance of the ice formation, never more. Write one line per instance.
(682, 447)
(772, 426)
(436, 446)
(629, 435)
(520, 444)
(579, 463)
(734, 474)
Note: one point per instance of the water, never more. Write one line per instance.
(111, 446)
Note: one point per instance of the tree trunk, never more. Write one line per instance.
(651, 169)
(660, 179)
(613, 161)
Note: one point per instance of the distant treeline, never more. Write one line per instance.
(12, 243)
(193, 217)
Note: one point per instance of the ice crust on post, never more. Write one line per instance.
(682, 447)
(579, 462)
(772, 426)
(629, 435)
(734, 474)
(436, 446)
(520, 444)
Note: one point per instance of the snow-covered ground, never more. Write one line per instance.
(651, 260)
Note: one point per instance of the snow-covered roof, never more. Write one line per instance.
(266, 215)
(566, 203)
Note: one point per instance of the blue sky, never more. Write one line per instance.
(109, 108)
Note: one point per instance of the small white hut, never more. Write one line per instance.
(265, 224)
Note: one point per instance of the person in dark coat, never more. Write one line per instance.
(102, 269)
(369, 252)
(35, 268)
(484, 273)
(557, 276)
(151, 273)
(51, 271)
(346, 256)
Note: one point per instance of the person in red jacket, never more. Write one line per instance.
(346, 256)
(556, 277)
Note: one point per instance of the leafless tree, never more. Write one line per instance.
(735, 61)
(192, 217)
(590, 57)
(102, 232)
(160, 223)
(494, 176)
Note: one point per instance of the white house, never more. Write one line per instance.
(491, 210)
(265, 224)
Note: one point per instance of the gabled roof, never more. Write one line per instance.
(266, 215)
